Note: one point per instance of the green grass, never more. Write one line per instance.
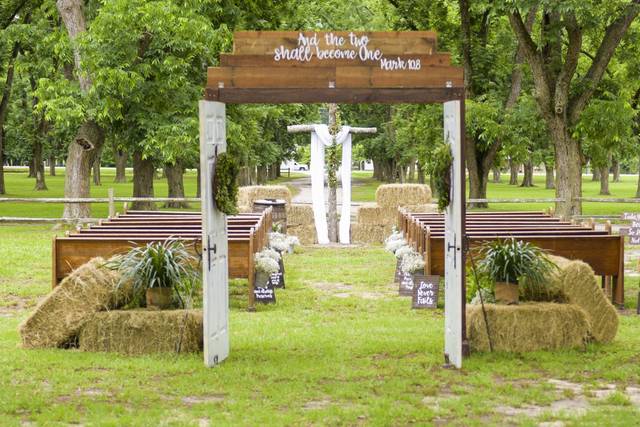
(339, 348)
(18, 184)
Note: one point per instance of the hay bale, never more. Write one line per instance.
(136, 332)
(368, 234)
(578, 283)
(60, 316)
(527, 327)
(305, 233)
(247, 195)
(394, 195)
(370, 214)
(299, 215)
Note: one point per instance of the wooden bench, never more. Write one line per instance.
(603, 251)
(247, 234)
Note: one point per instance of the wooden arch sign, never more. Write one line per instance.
(340, 66)
(276, 67)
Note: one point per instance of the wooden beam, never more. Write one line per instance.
(333, 77)
(339, 96)
(310, 128)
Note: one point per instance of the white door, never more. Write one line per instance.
(454, 270)
(215, 277)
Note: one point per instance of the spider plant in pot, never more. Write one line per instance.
(267, 262)
(159, 271)
(508, 262)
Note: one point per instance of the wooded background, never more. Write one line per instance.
(550, 83)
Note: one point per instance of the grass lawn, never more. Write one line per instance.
(339, 348)
(363, 190)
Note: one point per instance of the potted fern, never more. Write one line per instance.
(508, 262)
(158, 272)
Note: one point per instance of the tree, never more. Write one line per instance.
(560, 91)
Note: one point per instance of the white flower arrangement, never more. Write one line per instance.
(394, 245)
(282, 242)
(412, 263)
(396, 235)
(265, 263)
(270, 253)
(278, 241)
(293, 241)
(403, 250)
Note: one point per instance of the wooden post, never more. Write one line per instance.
(112, 204)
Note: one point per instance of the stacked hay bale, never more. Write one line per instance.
(588, 315)
(247, 195)
(136, 332)
(300, 223)
(375, 220)
(57, 320)
(578, 283)
(527, 327)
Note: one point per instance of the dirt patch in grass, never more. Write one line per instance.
(13, 305)
(194, 400)
(316, 404)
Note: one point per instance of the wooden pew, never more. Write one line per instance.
(247, 234)
(601, 250)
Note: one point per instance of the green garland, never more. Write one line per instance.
(441, 173)
(226, 184)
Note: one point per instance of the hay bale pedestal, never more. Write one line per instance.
(60, 316)
(527, 327)
(135, 332)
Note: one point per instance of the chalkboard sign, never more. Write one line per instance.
(398, 276)
(276, 280)
(425, 291)
(406, 284)
(634, 230)
(265, 295)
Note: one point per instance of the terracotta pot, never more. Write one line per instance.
(507, 293)
(161, 298)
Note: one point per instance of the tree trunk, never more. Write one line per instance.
(513, 172)
(604, 181)
(82, 153)
(4, 108)
(32, 164)
(527, 181)
(615, 164)
(175, 182)
(478, 175)
(89, 139)
(568, 171)
(595, 173)
(262, 175)
(638, 186)
(496, 175)
(420, 173)
(198, 185)
(143, 173)
(38, 165)
(434, 192)
(121, 165)
(52, 165)
(549, 178)
(96, 172)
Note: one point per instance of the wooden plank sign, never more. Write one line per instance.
(335, 59)
(425, 291)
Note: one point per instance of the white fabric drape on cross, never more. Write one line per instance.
(321, 137)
